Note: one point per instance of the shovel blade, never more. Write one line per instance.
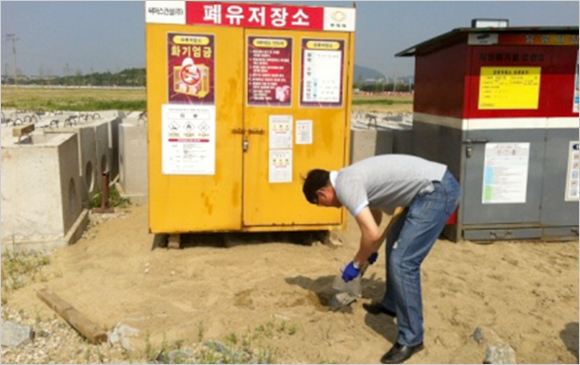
(341, 300)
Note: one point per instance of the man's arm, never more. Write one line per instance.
(377, 215)
(371, 236)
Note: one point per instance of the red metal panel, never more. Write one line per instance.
(558, 67)
(562, 84)
(439, 81)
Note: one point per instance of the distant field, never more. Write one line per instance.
(77, 99)
(382, 103)
(74, 99)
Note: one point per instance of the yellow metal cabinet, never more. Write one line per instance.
(241, 186)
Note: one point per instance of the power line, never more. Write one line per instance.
(13, 38)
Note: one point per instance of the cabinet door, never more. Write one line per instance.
(277, 158)
(195, 186)
(503, 177)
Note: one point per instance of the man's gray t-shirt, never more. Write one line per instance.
(384, 182)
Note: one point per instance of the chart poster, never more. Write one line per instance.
(191, 68)
(572, 179)
(280, 166)
(188, 146)
(575, 108)
(304, 132)
(269, 71)
(509, 88)
(505, 173)
(280, 131)
(322, 70)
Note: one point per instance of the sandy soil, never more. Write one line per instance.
(527, 293)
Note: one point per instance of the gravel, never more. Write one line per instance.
(56, 342)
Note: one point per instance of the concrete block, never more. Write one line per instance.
(370, 142)
(133, 160)
(87, 150)
(41, 197)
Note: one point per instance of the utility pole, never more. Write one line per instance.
(13, 38)
(395, 81)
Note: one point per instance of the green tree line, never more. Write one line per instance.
(127, 77)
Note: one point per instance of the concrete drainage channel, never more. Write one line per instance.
(52, 165)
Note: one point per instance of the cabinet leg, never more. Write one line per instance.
(174, 241)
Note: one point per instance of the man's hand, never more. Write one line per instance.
(373, 258)
(350, 272)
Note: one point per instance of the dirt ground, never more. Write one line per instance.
(527, 293)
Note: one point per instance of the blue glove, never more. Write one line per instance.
(373, 258)
(350, 272)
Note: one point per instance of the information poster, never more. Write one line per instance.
(509, 88)
(188, 146)
(572, 179)
(322, 70)
(269, 71)
(505, 173)
(280, 131)
(191, 68)
(303, 132)
(280, 166)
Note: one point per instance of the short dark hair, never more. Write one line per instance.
(315, 180)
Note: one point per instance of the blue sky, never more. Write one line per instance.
(110, 36)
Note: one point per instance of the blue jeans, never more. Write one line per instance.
(408, 243)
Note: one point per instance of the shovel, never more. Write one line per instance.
(346, 293)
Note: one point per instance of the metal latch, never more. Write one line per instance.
(469, 142)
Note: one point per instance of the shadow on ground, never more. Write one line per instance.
(569, 336)
(232, 239)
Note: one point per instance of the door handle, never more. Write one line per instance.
(469, 142)
(238, 130)
(256, 131)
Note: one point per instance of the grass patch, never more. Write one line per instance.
(115, 199)
(21, 268)
(252, 348)
(385, 102)
(73, 99)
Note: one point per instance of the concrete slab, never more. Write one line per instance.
(133, 160)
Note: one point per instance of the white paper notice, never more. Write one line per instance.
(505, 173)
(303, 132)
(188, 133)
(280, 135)
(572, 178)
(280, 166)
(322, 76)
